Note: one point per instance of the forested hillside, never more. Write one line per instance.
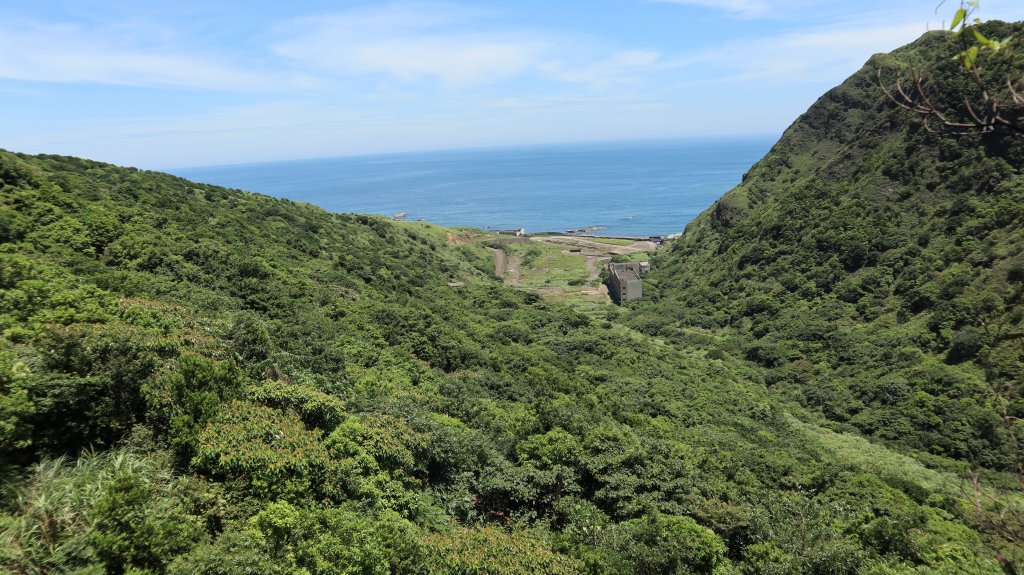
(873, 265)
(200, 380)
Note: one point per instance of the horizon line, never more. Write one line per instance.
(495, 147)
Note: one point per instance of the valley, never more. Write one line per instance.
(823, 376)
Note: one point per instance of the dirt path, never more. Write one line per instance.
(499, 262)
(595, 254)
(513, 271)
(594, 263)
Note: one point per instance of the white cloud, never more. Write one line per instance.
(614, 72)
(804, 11)
(411, 42)
(741, 7)
(68, 53)
(827, 54)
(291, 128)
(399, 76)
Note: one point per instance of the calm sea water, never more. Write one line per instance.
(630, 188)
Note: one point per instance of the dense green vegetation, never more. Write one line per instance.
(876, 270)
(201, 380)
(873, 268)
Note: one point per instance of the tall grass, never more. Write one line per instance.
(57, 509)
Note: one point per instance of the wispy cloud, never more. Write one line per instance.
(742, 7)
(827, 54)
(620, 69)
(244, 81)
(69, 53)
(411, 42)
(572, 102)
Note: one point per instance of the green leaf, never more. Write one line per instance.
(958, 18)
(970, 56)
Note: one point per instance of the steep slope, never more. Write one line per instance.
(249, 385)
(874, 268)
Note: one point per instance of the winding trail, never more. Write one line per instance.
(499, 262)
(594, 263)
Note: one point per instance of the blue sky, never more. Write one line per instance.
(189, 83)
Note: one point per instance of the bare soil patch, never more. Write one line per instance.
(499, 262)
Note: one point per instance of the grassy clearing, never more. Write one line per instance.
(879, 459)
(548, 265)
(554, 269)
(558, 274)
(613, 241)
(634, 257)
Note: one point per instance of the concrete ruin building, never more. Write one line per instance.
(624, 280)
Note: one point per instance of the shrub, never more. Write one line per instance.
(268, 454)
(669, 545)
(491, 551)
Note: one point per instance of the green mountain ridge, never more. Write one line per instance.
(874, 268)
(200, 380)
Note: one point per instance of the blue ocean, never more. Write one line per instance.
(627, 188)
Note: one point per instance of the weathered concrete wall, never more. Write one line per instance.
(625, 281)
